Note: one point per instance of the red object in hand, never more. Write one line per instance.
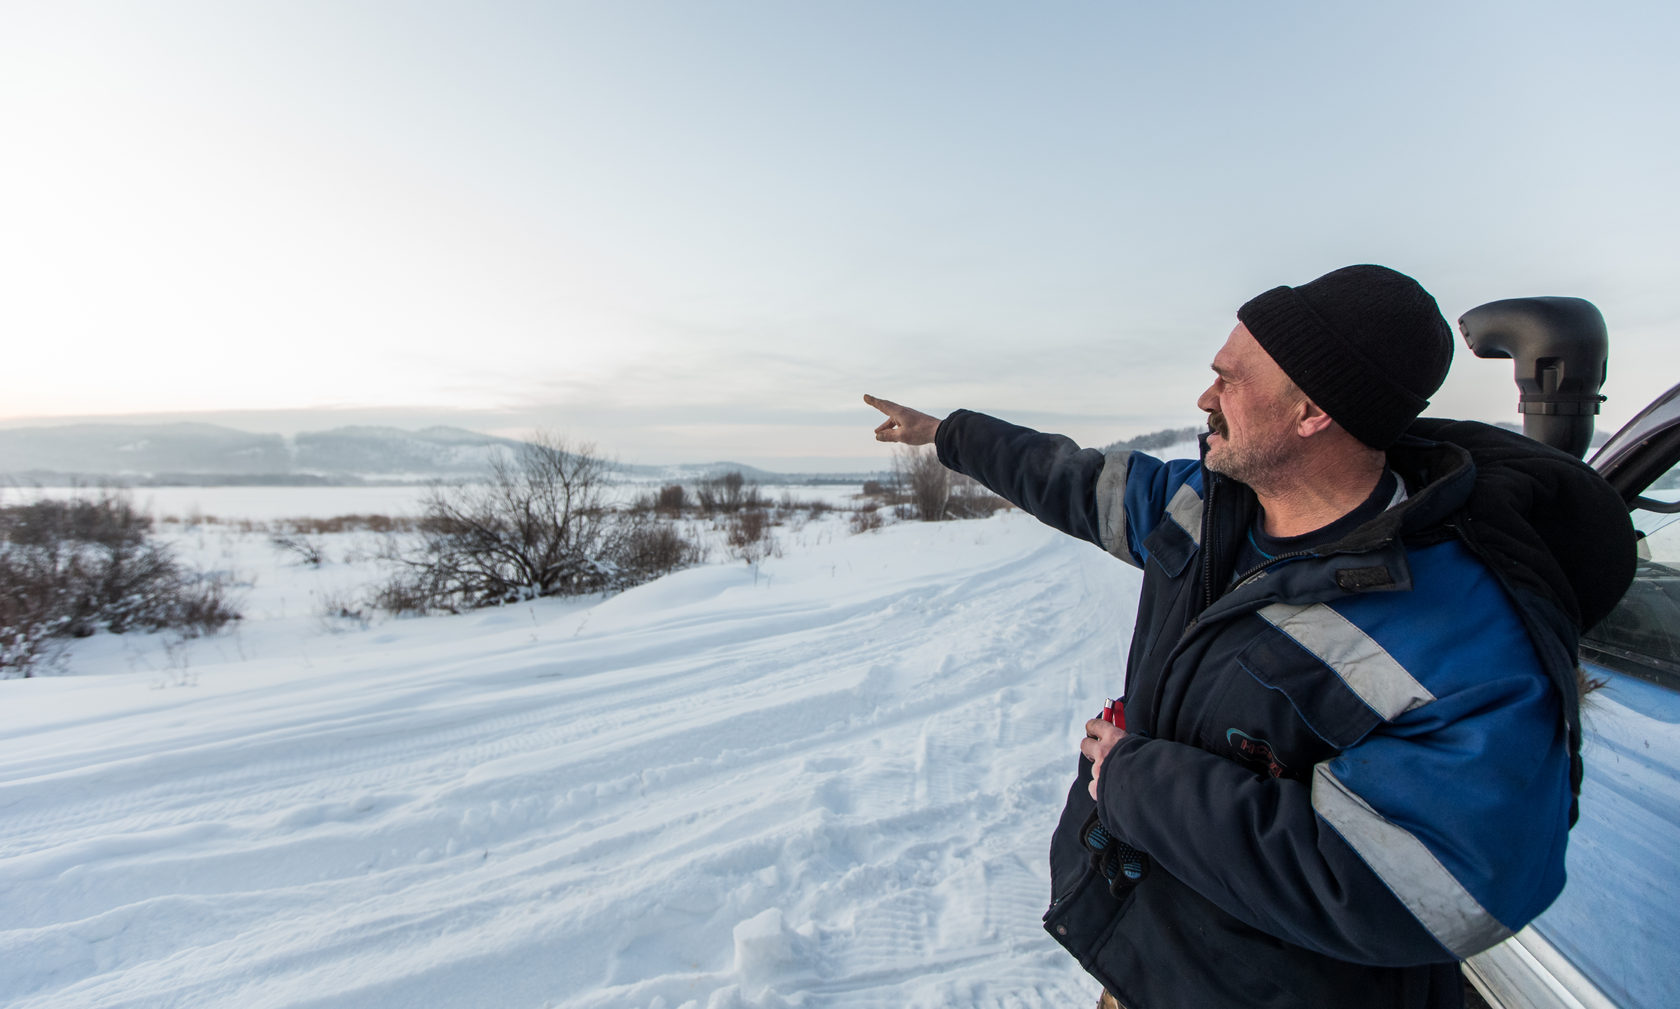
(1114, 713)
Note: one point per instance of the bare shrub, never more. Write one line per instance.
(69, 568)
(203, 606)
(970, 499)
(342, 611)
(710, 496)
(866, 518)
(667, 502)
(538, 526)
(303, 549)
(406, 593)
(347, 523)
(648, 550)
(924, 480)
(749, 535)
(671, 500)
(33, 612)
(798, 511)
(728, 493)
(928, 491)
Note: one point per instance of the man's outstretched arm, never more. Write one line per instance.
(1047, 475)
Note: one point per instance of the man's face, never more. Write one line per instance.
(1253, 409)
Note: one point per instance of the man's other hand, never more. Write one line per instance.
(903, 425)
(1100, 737)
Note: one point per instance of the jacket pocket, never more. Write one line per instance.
(1170, 548)
(1084, 918)
(1324, 696)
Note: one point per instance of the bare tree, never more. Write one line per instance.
(539, 525)
(729, 492)
(671, 500)
(925, 480)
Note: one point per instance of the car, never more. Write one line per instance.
(1610, 939)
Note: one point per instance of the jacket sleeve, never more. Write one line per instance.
(1254, 847)
(1111, 499)
(1434, 835)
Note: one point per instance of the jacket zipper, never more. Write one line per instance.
(1208, 544)
(1257, 571)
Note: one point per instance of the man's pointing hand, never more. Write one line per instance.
(903, 425)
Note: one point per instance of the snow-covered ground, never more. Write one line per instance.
(827, 782)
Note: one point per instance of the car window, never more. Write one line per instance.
(1642, 635)
(1661, 531)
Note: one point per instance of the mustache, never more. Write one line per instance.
(1216, 424)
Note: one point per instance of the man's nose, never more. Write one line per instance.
(1207, 402)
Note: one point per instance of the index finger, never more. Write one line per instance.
(1096, 728)
(886, 406)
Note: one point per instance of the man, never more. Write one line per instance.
(1353, 735)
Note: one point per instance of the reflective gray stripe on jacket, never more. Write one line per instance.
(1456, 919)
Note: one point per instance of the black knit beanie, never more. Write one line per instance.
(1365, 343)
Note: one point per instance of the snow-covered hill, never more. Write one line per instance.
(829, 782)
(208, 452)
(196, 453)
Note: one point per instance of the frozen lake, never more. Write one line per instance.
(265, 504)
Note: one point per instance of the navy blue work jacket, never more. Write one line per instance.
(1350, 768)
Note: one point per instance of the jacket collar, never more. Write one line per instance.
(1439, 477)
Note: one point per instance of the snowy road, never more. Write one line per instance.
(829, 785)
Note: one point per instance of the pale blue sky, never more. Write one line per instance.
(691, 231)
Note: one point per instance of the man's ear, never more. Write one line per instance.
(1310, 420)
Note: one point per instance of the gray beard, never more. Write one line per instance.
(1248, 464)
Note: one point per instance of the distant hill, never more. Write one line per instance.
(195, 453)
(391, 452)
(119, 449)
(208, 453)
